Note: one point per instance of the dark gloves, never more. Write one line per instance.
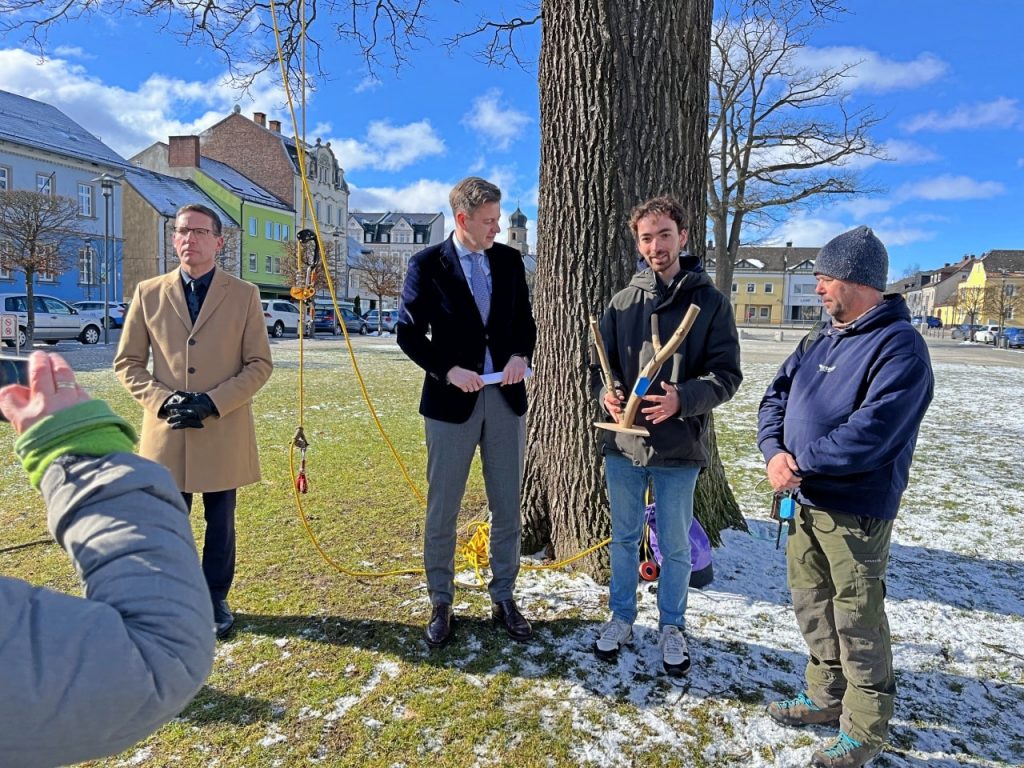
(177, 399)
(187, 410)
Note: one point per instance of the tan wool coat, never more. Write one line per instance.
(226, 355)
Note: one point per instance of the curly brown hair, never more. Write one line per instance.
(660, 206)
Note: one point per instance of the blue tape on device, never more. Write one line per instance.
(787, 508)
(642, 385)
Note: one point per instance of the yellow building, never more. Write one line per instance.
(991, 294)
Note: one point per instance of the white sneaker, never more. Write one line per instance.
(675, 656)
(613, 635)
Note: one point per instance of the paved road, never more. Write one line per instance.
(760, 345)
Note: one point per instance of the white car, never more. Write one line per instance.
(55, 320)
(94, 309)
(987, 334)
(281, 316)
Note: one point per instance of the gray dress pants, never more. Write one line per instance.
(501, 435)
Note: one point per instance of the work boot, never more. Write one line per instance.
(802, 711)
(845, 752)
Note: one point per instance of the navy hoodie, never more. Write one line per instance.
(848, 409)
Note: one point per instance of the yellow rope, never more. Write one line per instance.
(475, 546)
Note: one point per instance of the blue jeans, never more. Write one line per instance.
(673, 493)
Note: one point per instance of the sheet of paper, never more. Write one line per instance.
(495, 378)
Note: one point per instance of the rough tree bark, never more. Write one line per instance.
(623, 117)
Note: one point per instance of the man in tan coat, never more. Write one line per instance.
(208, 339)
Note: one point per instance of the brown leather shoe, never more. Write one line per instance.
(507, 614)
(439, 630)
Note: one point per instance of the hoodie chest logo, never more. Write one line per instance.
(822, 368)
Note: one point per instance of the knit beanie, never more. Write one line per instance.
(857, 256)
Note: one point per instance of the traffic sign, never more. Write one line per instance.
(8, 326)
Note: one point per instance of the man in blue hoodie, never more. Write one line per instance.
(702, 374)
(838, 427)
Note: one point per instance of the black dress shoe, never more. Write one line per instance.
(507, 614)
(439, 630)
(223, 619)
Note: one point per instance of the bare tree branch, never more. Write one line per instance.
(780, 133)
(37, 232)
(500, 38)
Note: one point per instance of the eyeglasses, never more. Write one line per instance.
(186, 231)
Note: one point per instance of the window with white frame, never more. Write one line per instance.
(764, 312)
(751, 287)
(268, 230)
(44, 183)
(277, 232)
(735, 288)
(769, 288)
(6, 252)
(46, 253)
(287, 231)
(254, 264)
(253, 224)
(269, 265)
(5, 178)
(87, 266)
(85, 200)
(277, 265)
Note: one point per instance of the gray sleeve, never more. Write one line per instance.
(83, 678)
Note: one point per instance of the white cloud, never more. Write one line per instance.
(498, 123)
(423, 196)
(904, 152)
(389, 147)
(873, 72)
(129, 120)
(368, 83)
(950, 187)
(72, 51)
(999, 113)
(862, 208)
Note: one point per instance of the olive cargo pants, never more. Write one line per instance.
(836, 572)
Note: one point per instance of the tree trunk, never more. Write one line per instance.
(623, 117)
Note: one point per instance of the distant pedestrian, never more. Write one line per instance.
(205, 333)
(838, 427)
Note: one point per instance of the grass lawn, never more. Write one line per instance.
(326, 669)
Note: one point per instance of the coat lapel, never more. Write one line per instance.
(176, 296)
(454, 283)
(214, 296)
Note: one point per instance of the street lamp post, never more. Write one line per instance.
(107, 187)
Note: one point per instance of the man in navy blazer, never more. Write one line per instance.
(466, 315)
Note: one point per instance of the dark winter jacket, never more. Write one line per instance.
(705, 369)
(848, 409)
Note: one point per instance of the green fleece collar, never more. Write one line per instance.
(86, 429)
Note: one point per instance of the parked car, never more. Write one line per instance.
(55, 320)
(385, 320)
(324, 320)
(987, 334)
(94, 309)
(932, 322)
(353, 322)
(963, 332)
(1014, 337)
(281, 316)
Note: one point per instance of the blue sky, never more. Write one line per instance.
(942, 73)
